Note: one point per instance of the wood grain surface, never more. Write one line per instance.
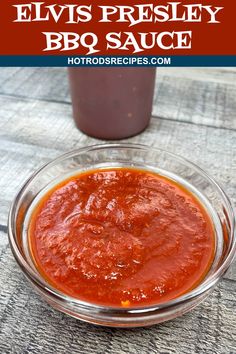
(194, 115)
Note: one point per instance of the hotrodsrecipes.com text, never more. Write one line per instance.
(119, 61)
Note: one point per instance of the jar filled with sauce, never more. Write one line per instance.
(112, 103)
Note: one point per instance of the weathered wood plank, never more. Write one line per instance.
(51, 83)
(201, 96)
(219, 75)
(7, 74)
(30, 326)
(40, 83)
(192, 100)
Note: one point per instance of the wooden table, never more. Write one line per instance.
(194, 116)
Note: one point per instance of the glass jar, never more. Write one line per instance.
(112, 103)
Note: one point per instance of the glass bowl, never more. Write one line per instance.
(124, 155)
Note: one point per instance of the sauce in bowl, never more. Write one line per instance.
(121, 237)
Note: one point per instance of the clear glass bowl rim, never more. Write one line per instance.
(43, 285)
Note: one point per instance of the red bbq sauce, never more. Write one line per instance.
(121, 237)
